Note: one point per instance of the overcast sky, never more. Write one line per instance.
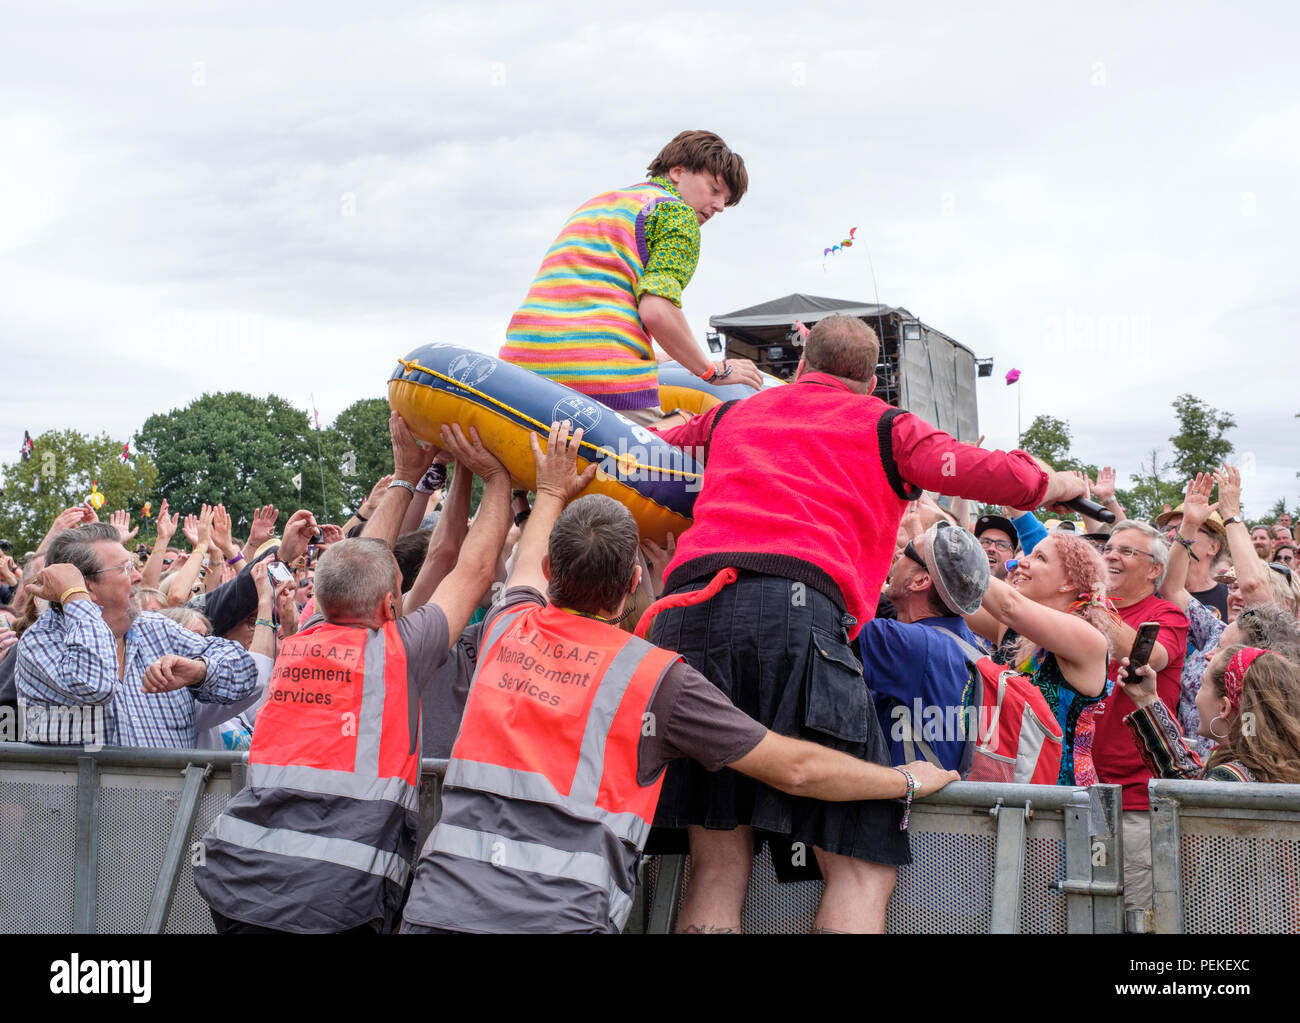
(288, 197)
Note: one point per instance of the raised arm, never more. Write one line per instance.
(1196, 512)
(1252, 571)
(410, 461)
(558, 482)
(1079, 648)
(445, 543)
(458, 594)
(152, 570)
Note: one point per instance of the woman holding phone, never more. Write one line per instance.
(1249, 703)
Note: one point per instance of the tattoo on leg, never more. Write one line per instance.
(708, 929)
(828, 930)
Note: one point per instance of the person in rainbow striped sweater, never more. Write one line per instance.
(613, 280)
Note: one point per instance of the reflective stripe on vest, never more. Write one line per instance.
(584, 867)
(341, 851)
(328, 731)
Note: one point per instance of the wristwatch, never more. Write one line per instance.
(1231, 519)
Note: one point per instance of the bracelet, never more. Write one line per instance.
(713, 372)
(63, 597)
(360, 516)
(1188, 545)
(409, 487)
(911, 788)
(264, 621)
(237, 557)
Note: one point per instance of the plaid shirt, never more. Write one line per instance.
(70, 693)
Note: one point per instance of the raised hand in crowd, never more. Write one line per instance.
(9, 573)
(260, 531)
(1196, 512)
(298, 531)
(910, 527)
(286, 605)
(264, 629)
(220, 533)
(411, 461)
(121, 521)
(198, 531)
(658, 558)
(1250, 570)
(329, 534)
(153, 568)
(65, 520)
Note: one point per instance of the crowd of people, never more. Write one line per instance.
(773, 675)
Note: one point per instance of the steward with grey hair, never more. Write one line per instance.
(334, 765)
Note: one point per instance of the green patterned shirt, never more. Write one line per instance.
(672, 234)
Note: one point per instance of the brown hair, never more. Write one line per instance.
(1270, 702)
(844, 347)
(703, 151)
(592, 550)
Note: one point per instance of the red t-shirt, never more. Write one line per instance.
(1116, 757)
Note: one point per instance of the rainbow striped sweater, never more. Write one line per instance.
(579, 324)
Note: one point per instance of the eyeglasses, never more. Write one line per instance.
(1002, 545)
(126, 568)
(910, 552)
(1124, 551)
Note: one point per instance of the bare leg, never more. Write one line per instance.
(720, 865)
(856, 896)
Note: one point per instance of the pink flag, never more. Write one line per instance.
(1012, 376)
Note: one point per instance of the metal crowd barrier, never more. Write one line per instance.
(1225, 857)
(986, 859)
(104, 841)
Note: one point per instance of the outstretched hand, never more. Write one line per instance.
(1196, 503)
(557, 466)
(469, 452)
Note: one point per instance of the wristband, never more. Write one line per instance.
(409, 487)
(263, 621)
(434, 479)
(713, 372)
(63, 597)
(237, 557)
(361, 517)
(911, 788)
(1188, 544)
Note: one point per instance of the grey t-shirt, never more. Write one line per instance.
(446, 693)
(691, 716)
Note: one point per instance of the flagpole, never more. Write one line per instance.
(1019, 432)
(320, 459)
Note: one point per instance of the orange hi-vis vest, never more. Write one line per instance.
(322, 837)
(543, 817)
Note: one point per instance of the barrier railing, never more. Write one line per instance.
(986, 859)
(105, 841)
(1225, 857)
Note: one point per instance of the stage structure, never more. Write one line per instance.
(921, 369)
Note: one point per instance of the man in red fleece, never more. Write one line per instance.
(802, 499)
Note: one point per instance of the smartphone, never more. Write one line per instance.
(1142, 647)
(279, 572)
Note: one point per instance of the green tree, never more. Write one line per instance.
(1153, 488)
(366, 449)
(63, 465)
(1199, 444)
(243, 451)
(1048, 438)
